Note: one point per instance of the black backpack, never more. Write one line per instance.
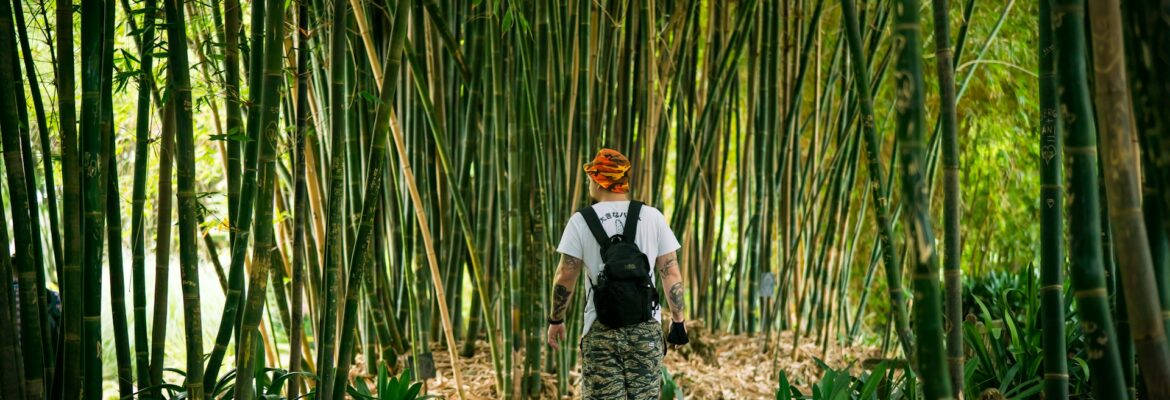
(624, 294)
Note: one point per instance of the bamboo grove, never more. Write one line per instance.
(363, 183)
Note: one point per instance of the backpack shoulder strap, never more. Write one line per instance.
(594, 224)
(632, 220)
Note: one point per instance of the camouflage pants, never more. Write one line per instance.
(622, 363)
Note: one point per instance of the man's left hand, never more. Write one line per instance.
(556, 334)
(678, 335)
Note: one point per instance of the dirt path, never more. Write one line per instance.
(732, 367)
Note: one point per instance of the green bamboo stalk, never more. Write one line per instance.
(116, 273)
(235, 125)
(137, 213)
(46, 152)
(877, 182)
(423, 225)
(112, 217)
(338, 106)
(29, 166)
(1151, 90)
(93, 51)
(1146, 97)
(30, 300)
(1051, 222)
(373, 195)
(1088, 275)
(162, 254)
(301, 208)
(1125, 199)
(438, 134)
(265, 247)
(72, 275)
(929, 353)
(953, 246)
(180, 81)
(1159, 243)
(10, 378)
(241, 222)
(1116, 297)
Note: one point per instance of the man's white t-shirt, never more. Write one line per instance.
(654, 238)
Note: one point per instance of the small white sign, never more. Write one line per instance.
(767, 284)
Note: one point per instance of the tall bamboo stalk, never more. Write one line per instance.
(138, 212)
(93, 17)
(235, 125)
(359, 257)
(1086, 265)
(265, 247)
(180, 84)
(301, 207)
(29, 166)
(32, 345)
(333, 245)
(1051, 220)
(953, 246)
(10, 378)
(877, 184)
(1125, 197)
(72, 274)
(46, 152)
(1142, 29)
(929, 353)
(241, 222)
(162, 254)
(116, 273)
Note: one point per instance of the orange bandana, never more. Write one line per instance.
(611, 170)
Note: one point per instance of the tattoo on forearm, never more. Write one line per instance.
(560, 301)
(571, 264)
(666, 266)
(676, 298)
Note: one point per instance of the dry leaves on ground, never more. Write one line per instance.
(737, 367)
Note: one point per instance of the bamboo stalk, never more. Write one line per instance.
(93, 55)
(878, 184)
(953, 246)
(31, 331)
(929, 353)
(13, 382)
(424, 228)
(1125, 199)
(162, 254)
(359, 256)
(72, 276)
(333, 222)
(1056, 378)
(241, 222)
(46, 152)
(180, 82)
(265, 247)
(138, 212)
(1142, 34)
(301, 208)
(116, 273)
(235, 126)
(1085, 262)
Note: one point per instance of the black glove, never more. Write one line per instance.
(678, 334)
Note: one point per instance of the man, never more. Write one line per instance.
(618, 362)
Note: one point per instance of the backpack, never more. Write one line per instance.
(624, 294)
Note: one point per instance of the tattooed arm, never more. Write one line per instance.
(563, 285)
(566, 280)
(668, 271)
